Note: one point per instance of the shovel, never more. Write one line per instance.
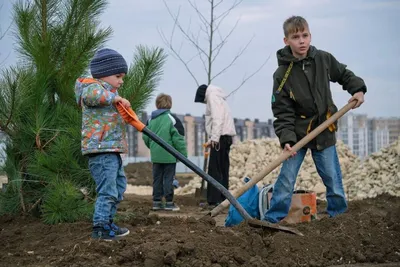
(201, 192)
(284, 156)
(131, 118)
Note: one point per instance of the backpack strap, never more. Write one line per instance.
(289, 69)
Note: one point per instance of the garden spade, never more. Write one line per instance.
(131, 118)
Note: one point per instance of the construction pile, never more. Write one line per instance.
(377, 174)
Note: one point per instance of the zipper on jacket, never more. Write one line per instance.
(102, 133)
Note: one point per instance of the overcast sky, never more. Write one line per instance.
(363, 34)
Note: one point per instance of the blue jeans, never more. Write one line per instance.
(163, 176)
(328, 167)
(108, 174)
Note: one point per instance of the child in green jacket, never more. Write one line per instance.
(162, 123)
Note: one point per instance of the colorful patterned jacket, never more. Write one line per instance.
(103, 129)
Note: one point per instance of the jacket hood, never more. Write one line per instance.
(158, 112)
(285, 55)
(84, 82)
(216, 91)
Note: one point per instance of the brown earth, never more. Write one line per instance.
(368, 233)
(139, 173)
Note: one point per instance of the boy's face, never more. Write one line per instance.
(114, 80)
(299, 42)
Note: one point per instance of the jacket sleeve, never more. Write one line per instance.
(217, 118)
(284, 113)
(178, 141)
(95, 95)
(345, 77)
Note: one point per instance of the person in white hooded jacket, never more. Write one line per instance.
(220, 128)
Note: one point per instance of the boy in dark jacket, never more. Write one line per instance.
(302, 100)
(163, 124)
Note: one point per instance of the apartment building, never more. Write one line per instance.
(394, 129)
(3, 140)
(378, 134)
(353, 131)
(363, 135)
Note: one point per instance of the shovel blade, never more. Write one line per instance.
(265, 224)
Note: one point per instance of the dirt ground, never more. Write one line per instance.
(368, 233)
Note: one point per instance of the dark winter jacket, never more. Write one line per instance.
(305, 100)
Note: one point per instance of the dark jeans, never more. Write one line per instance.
(218, 168)
(163, 175)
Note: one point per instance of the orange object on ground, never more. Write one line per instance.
(303, 207)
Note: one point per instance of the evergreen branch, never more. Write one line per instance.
(143, 76)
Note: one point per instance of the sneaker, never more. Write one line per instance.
(103, 233)
(119, 231)
(175, 183)
(157, 205)
(171, 206)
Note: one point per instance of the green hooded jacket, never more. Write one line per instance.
(163, 124)
(305, 99)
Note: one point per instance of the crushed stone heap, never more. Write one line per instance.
(377, 174)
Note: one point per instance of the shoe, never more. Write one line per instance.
(119, 231)
(157, 205)
(103, 233)
(175, 183)
(171, 206)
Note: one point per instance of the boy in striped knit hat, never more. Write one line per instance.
(103, 137)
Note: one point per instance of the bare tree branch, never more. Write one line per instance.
(4, 60)
(177, 55)
(203, 61)
(233, 60)
(176, 21)
(248, 77)
(202, 18)
(215, 41)
(2, 34)
(224, 40)
(210, 43)
(217, 4)
(222, 16)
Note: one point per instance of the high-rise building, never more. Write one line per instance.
(353, 131)
(394, 129)
(378, 134)
(3, 140)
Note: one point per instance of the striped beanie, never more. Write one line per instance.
(107, 62)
